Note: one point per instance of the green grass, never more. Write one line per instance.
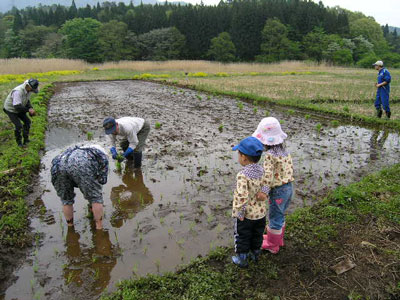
(14, 222)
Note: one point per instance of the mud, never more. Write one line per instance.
(178, 206)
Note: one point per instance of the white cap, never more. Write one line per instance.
(378, 63)
(269, 132)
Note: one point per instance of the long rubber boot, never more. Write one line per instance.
(18, 138)
(379, 113)
(137, 159)
(25, 134)
(388, 114)
(273, 240)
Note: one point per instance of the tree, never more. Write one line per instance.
(362, 47)
(372, 31)
(82, 39)
(315, 43)
(32, 38)
(51, 46)
(111, 38)
(162, 44)
(275, 43)
(12, 45)
(222, 48)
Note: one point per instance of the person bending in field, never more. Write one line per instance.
(83, 167)
(17, 104)
(277, 181)
(382, 90)
(248, 213)
(134, 132)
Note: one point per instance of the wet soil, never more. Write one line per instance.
(178, 206)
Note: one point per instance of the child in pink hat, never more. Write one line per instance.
(277, 181)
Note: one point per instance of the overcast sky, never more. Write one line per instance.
(387, 11)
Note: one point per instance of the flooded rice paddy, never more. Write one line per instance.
(178, 206)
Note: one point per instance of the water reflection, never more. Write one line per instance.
(129, 197)
(89, 268)
(377, 141)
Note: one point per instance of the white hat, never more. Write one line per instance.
(269, 132)
(378, 63)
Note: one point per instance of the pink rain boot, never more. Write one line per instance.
(273, 241)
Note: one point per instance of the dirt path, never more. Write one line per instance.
(178, 207)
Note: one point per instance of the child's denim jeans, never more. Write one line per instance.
(279, 200)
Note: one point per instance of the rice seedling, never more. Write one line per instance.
(35, 267)
(96, 274)
(210, 218)
(162, 221)
(208, 97)
(267, 113)
(307, 117)
(346, 109)
(145, 250)
(335, 123)
(157, 125)
(181, 242)
(318, 127)
(157, 264)
(37, 295)
(70, 277)
(221, 128)
(199, 97)
(140, 237)
(192, 225)
(180, 218)
(290, 111)
(32, 283)
(89, 136)
(240, 105)
(282, 122)
(170, 231)
(135, 269)
(94, 259)
(255, 110)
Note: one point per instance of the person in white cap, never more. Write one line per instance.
(277, 181)
(383, 90)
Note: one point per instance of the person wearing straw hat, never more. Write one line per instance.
(17, 104)
(277, 181)
(383, 90)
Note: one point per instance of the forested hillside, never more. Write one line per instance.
(261, 30)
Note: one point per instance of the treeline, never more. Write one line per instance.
(242, 30)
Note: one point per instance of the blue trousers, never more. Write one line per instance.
(382, 99)
(279, 200)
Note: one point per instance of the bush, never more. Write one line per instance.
(367, 60)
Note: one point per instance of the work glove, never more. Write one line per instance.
(113, 152)
(127, 152)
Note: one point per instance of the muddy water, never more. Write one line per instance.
(178, 206)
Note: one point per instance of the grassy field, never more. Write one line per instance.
(345, 92)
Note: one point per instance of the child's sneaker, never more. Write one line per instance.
(240, 260)
(254, 254)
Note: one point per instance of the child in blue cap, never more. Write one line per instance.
(249, 213)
